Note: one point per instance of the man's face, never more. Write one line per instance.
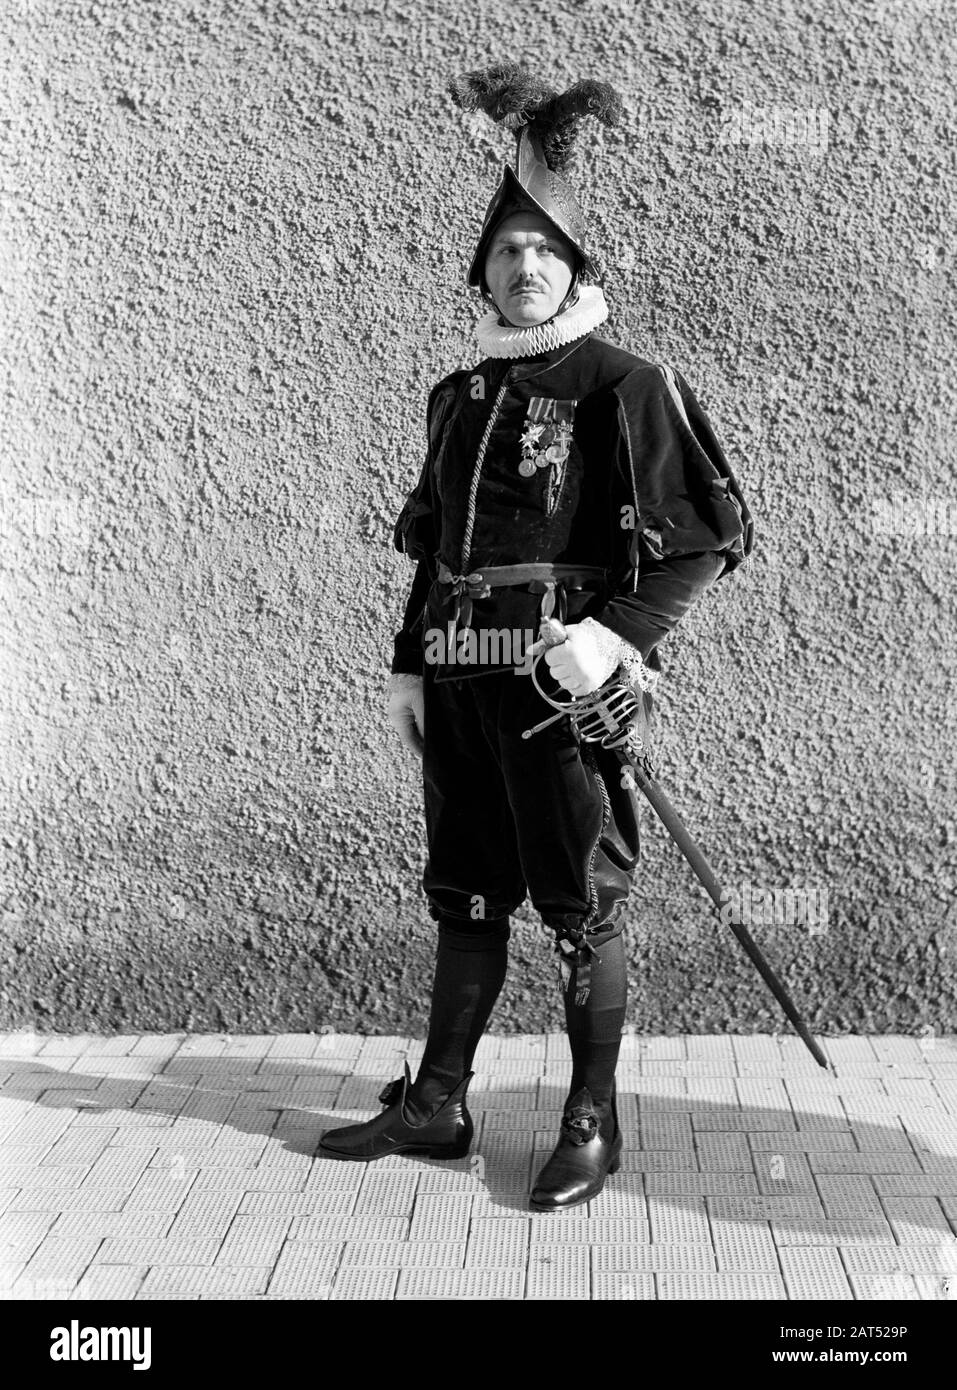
(528, 269)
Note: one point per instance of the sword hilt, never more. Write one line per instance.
(552, 632)
(604, 716)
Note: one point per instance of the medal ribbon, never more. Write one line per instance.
(546, 443)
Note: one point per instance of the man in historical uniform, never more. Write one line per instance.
(564, 478)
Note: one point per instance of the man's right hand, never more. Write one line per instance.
(406, 710)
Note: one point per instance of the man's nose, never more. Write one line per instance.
(528, 264)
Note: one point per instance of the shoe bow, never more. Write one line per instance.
(580, 1125)
(391, 1094)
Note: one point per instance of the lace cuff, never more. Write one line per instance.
(403, 681)
(617, 652)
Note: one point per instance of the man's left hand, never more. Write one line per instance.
(577, 663)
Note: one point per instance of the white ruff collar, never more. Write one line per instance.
(498, 340)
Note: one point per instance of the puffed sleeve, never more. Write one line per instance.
(686, 523)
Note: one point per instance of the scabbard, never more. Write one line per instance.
(679, 833)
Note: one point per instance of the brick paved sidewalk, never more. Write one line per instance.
(182, 1167)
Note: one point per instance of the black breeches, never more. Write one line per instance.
(507, 816)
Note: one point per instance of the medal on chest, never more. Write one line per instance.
(546, 443)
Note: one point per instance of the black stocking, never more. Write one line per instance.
(594, 1027)
(469, 973)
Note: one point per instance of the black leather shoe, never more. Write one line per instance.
(582, 1159)
(447, 1134)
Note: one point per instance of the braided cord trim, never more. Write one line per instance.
(477, 474)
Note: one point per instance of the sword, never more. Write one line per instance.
(607, 716)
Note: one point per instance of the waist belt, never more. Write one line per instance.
(480, 583)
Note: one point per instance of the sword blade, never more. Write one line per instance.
(679, 833)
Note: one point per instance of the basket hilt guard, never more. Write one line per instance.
(605, 716)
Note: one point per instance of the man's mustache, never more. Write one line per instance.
(523, 285)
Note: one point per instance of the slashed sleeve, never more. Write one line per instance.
(684, 520)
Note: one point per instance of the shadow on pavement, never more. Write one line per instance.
(796, 1166)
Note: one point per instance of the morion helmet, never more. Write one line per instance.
(545, 123)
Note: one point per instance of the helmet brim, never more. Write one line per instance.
(512, 196)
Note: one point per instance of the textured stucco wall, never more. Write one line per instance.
(234, 248)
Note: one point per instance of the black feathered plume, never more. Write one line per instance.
(515, 97)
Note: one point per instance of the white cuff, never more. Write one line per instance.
(403, 680)
(617, 652)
